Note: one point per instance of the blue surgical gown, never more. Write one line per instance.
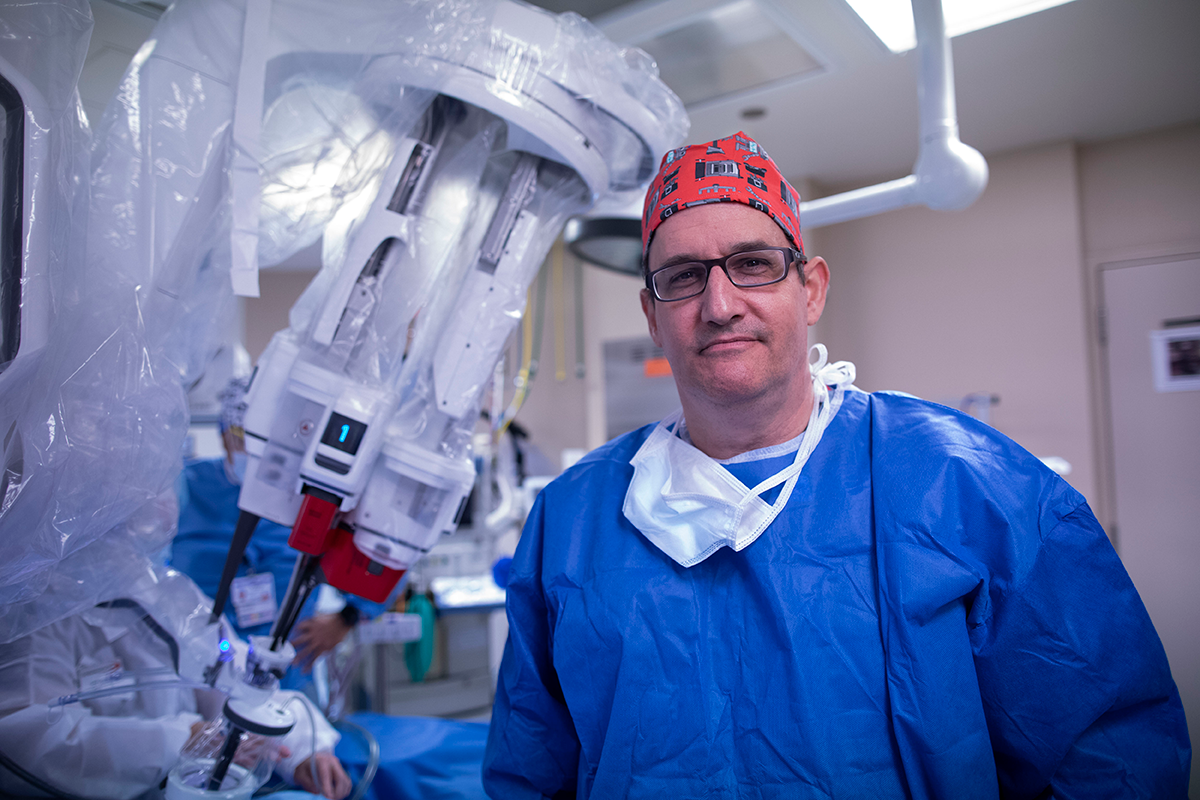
(934, 615)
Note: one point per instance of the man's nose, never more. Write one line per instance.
(722, 302)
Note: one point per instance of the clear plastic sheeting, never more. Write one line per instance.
(43, 289)
(183, 610)
(135, 672)
(43, 163)
(243, 132)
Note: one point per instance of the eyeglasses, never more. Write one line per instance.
(744, 270)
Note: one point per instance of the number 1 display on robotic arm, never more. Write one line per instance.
(358, 422)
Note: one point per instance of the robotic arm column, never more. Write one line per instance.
(315, 416)
(418, 491)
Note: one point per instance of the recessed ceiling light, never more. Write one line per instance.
(892, 20)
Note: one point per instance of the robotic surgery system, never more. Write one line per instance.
(360, 415)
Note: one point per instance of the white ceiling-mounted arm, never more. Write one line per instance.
(951, 175)
(948, 175)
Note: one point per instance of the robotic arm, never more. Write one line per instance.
(372, 498)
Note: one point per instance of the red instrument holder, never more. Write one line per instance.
(314, 523)
(349, 569)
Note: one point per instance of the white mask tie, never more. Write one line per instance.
(689, 506)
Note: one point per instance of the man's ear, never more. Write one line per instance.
(816, 284)
(649, 309)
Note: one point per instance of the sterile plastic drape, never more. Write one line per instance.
(244, 131)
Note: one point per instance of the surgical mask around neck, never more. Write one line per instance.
(689, 506)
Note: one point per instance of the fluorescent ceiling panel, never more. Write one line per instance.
(725, 51)
(892, 20)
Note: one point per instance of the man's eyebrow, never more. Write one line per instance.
(737, 247)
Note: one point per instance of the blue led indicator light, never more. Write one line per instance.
(224, 645)
(345, 433)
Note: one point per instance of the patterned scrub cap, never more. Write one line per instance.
(730, 170)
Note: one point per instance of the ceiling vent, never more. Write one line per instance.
(726, 50)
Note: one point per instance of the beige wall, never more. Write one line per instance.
(989, 299)
(1141, 192)
(278, 291)
(1140, 199)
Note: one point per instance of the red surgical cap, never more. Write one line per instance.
(730, 170)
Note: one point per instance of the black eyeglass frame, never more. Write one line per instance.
(708, 264)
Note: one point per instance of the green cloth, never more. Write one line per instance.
(418, 654)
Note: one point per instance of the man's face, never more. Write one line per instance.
(729, 346)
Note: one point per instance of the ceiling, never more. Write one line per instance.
(1085, 71)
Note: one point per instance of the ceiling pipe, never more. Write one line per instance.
(948, 175)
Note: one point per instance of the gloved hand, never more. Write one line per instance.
(331, 780)
(318, 635)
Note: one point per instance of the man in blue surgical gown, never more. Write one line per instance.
(796, 589)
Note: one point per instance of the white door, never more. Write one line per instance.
(1156, 459)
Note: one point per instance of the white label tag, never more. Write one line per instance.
(103, 677)
(390, 627)
(253, 597)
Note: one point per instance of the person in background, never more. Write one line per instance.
(208, 513)
(122, 745)
(793, 588)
